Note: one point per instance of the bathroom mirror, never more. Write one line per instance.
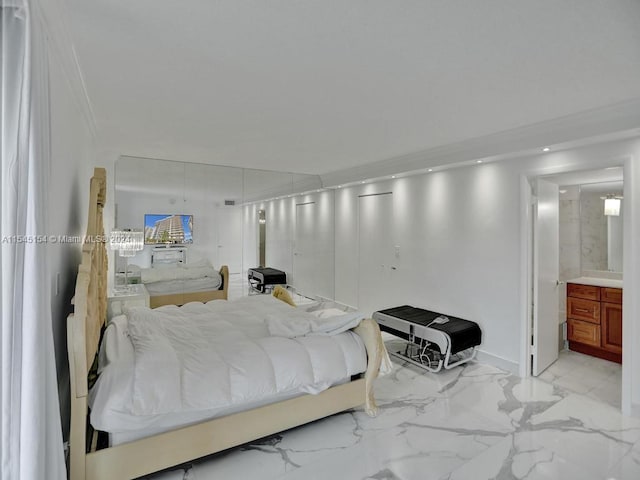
(600, 234)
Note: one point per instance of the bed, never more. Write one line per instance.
(181, 284)
(179, 444)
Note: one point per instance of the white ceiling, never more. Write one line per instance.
(323, 86)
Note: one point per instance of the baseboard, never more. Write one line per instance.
(499, 362)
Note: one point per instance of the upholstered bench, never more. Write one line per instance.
(263, 279)
(433, 339)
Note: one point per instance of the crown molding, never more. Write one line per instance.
(51, 14)
(613, 122)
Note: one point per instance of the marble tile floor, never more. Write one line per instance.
(590, 376)
(472, 422)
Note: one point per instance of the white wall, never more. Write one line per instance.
(195, 199)
(615, 244)
(593, 231)
(73, 156)
(455, 229)
(317, 267)
(280, 216)
(250, 236)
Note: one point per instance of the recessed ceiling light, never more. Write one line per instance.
(478, 161)
(363, 181)
(393, 176)
(546, 149)
(430, 170)
(563, 191)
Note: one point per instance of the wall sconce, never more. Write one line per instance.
(612, 205)
(127, 243)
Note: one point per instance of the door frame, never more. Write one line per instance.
(631, 307)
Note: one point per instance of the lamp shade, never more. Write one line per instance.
(612, 206)
(127, 242)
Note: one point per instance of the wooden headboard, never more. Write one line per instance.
(89, 311)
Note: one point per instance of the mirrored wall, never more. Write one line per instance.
(600, 234)
(590, 241)
(242, 218)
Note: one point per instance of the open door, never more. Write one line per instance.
(546, 272)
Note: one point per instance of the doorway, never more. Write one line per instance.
(584, 249)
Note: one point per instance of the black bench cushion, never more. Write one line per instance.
(463, 333)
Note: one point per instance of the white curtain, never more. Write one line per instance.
(31, 435)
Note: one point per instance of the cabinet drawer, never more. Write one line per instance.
(588, 292)
(583, 332)
(611, 295)
(586, 310)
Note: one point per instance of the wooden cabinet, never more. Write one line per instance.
(594, 320)
(611, 327)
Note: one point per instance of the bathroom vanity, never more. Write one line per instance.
(594, 317)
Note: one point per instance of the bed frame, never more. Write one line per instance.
(178, 446)
(186, 297)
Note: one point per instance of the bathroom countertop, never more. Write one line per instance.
(598, 282)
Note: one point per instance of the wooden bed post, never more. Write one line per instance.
(85, 323)
(369, 331)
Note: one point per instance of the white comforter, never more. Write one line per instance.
(205, 357)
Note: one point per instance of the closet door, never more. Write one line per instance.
(229, 246)
(376, 259)
(305, 269)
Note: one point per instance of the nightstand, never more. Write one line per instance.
(135, 296)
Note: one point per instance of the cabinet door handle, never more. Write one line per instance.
(585, 310)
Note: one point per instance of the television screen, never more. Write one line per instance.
(168, 229)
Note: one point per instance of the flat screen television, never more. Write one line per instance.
(168, 229)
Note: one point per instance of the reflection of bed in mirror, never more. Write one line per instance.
(182, 285)
(161, 450)
(173, 281)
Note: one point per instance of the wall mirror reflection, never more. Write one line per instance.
(590, 241)
(262, 230)
(226, 210)
(601, 231)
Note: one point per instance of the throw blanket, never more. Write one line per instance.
(302, 323)
(207, 356)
